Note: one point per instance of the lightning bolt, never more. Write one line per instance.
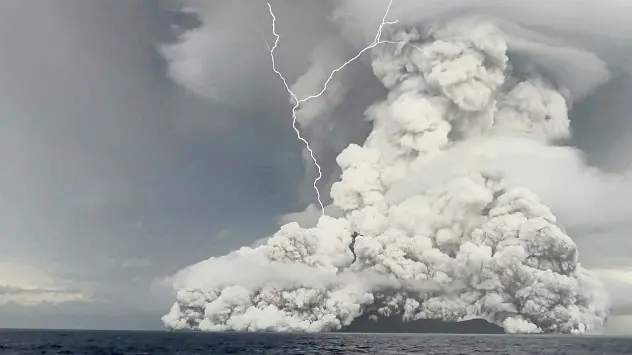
(298, 102)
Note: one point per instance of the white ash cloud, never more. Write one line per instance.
(435, 221)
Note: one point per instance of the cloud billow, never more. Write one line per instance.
(432, 217)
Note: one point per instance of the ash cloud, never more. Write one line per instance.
(443, 211)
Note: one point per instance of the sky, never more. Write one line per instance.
(126, 159)
(113, 175)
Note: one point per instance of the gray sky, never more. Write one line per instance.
(115, 176)
(112, 174)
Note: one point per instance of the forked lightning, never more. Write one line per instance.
(298, 102)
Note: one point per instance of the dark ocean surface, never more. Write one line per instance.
(109, 342)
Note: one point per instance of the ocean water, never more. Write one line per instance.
(107, 342)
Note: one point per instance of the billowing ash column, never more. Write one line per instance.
(437, 231)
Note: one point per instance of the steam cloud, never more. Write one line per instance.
(431, 222)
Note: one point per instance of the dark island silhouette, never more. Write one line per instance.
(395, 324)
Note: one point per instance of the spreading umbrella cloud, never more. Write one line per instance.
(429, 223)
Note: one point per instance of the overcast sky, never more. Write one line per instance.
(115, 175)
(112, 175)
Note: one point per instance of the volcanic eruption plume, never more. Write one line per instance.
(432, 223)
